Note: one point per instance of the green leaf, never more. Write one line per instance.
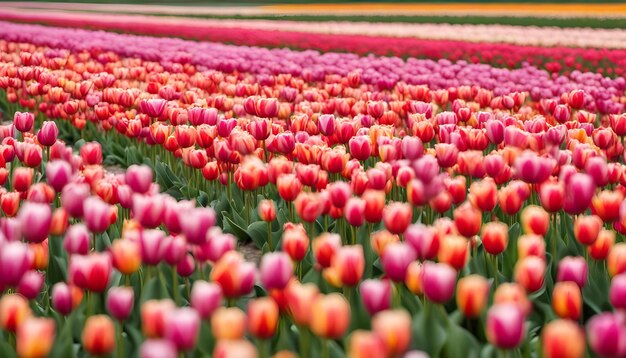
(234, 229)
(460, 343)
(258, 233)
(429, 333)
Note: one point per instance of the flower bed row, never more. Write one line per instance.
(390, 220)
(554, 59)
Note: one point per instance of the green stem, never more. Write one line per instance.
(325, 350)
(175, 286)
(120, 339)
(305, 342)
(264, 348)
(269, 236)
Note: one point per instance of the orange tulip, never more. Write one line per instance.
(262, 317)
(600, 248)
(153, 313)
(364, 344)
(228, 323)
(495, 237)
(454, 251)
(14, 310)
(567, 300)
(587, 228)
(394, 329)
(330, 316)
(530, 273)
(563, 339)
(35, 337)
(126, 256)
(472, 293)
(99, 335)
(535, 220)
(300, 298)
(467, 220)
(380, 240)
(512, 293)
(616, 261)
(531, 245)
(413, 279)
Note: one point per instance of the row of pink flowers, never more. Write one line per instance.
(555, 59)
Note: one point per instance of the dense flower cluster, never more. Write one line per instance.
(480, 209)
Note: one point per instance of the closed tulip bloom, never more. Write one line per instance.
(181, 328)
(340, 192)
(454, 251)
(563, 339)
(262, 317)
(579, 190)
(364, 344)
(289, 186)
(532, 168)
(535, 220)
(31, 284)
(196, 223)
(158, 348)
(394, 328)
(35, 219)
(600, 248)
(299, 299)
(552, 196)
(90, 272)
(360, 147)
(235, 349)
(396, 259)
(267, 210)
(567, 300)
(397, 217)
(414, 278)
(235, 275)
(483, 194)
(276, 270)
(228, 323)
(119, 302)
(61, 298)
(15, 260)
(48, 133)
(376, 295)
(99, 335)
(205, 298)
(438, 281)
(153, 107)
(97, 214)
(530, 273)
(58, 174)
(35, 337)
(505, 326)
(617, 293)
(616, 261)
(330, 316)
(325, 247)
(10, 203)
(531, 245)
(91, 153)
(606, 334)
(423, 239)
(354, 211)
(295, 243)
(23, 121)
(472, 293)
(308, 206)
(73, 197)
(77, 239)
(139, 178)
(350, 264)
(14, 310)
(153, 314)
(126, 256)
(467, 220)
(512, 293)
(573, 269)
(148, 210)
(587, 228)
(495, 237)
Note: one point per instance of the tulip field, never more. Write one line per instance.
(241, 189)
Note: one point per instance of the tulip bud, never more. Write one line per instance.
(14, 310)
(396, 259)
(262, 317)
(573, 269)
(607, 335)
(295, 243)
(153, 314)
(228, 323)
(616, 261)
(587, 228)
(600, 248)
(267, 210)
(505, 326)
(35, 337)
(330, 316)
(99, 335)
(364, 344)
(23, 121)
(354, 211)
(58, 174)
(35, 219)
(530, 273)
(120, 302)
(414, 278)
(325, 247)
(567, 300)
(62, 300)
(535, 220)
(235, 349)
(91, 153)
(126, 256)
(48, 133)
(73, 197)
(562, 338)
(467, 220)
(376, 295)
(495, 237)
(276, 270)
(157, 348)
(394, 329)
(454, 251)
(397, 217)
(77, 239)
(471, 295)
(97, 214)
(139, 178)
(206, 297)
(181, 328)
(423, 239)
(350, 264)
(438, 281)
(30, 285)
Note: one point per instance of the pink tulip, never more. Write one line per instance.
(360, 147)
(276, 270)
(579, 190)
(172, 211)
(48, 133)
(607, 335)
(326, 124)
(91, 153)
(148, 210)
(119, 302)
(139, 178)
(61, 298)
(505, 325)
(186, 266)
(354, 211)
(617, 293)
(153, 107)
(423, 240)
(97, 214)
(495, 131)
(376, 295)
(23, 121)
(340, 192)
(35, 219)
(196, 223)
(31, 284)
(412, 148)
(72, 198)
(58, 174)
(533, 169)
(173, 249)
(205, 298)
(216, 245)
(158, 348)
(77, 239)
(396, 259)
(438, 281)
(181, 328)
(573, 269)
